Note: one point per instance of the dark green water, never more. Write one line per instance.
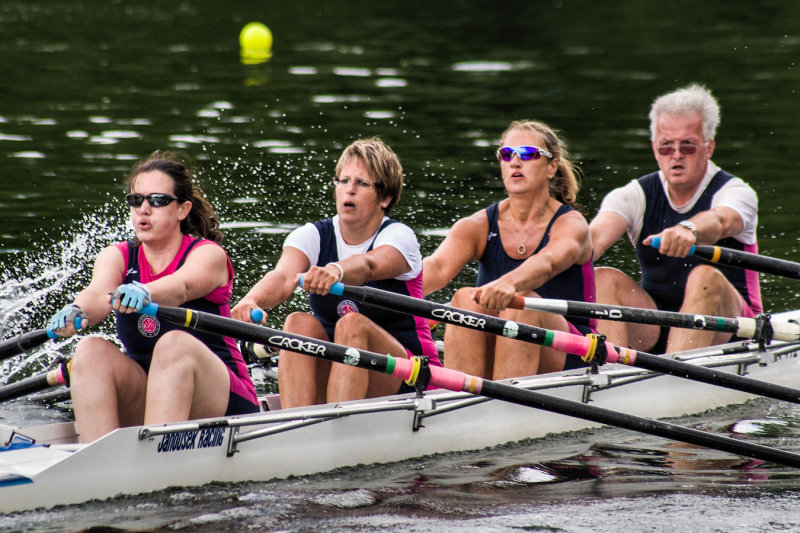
(88, 87)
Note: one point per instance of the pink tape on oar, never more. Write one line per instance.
(571, 343)
(618, 354)
(443, 378)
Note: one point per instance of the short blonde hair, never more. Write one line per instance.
(382, 165)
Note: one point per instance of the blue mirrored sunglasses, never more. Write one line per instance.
(525, 153)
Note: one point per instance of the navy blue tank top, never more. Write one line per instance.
(329, 308)
(575, 283)
(665, 277)
(139, 333)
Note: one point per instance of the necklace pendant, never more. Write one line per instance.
(521, 249)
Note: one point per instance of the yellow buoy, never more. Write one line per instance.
(255, 41)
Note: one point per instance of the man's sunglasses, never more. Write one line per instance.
(525, 153)
(156, 199)
(685, 149)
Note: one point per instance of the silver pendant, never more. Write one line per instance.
(521, 249)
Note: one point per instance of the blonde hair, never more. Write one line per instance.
(564, 186)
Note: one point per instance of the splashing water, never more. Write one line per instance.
(33, 285)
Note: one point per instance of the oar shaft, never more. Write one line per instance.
(22, 343)
(742, 327)
(520, 396)
(36, 383)
(562, 341)
(739, 259)
(458, 381)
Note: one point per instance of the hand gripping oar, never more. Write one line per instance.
(39, 382)
(409, 369)
(589, 348)
(759, 328)
(739, 259)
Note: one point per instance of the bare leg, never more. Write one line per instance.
(708, 292)
(514, 358)
(351, 383)
(302, 379)
(186, 381)
(108, 388)
(616, 288)
(465, 349)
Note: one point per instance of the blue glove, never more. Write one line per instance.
(135, 295)
(69, 314)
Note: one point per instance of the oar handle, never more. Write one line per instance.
(256, 315)
(655, 242)
(337, 289)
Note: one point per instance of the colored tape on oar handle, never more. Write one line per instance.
(150, 309)
(256, 315)
(655, 242)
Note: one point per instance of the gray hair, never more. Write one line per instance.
(687, 101)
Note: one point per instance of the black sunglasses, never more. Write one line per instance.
(156, 199)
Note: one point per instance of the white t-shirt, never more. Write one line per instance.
(306, 238)
(628, 201)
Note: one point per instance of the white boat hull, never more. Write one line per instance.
(187, 454)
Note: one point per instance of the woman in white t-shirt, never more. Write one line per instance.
(358, 246)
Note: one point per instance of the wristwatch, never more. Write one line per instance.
(688, 224)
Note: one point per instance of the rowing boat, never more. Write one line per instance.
(46, 466)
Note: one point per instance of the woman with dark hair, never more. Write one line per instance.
(361, 245)
(532, 242)
(165, 373)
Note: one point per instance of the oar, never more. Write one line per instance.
(586, 347)
(24, 342)
(39, 382)
(739, 259)
(454, 380)
(753, 328)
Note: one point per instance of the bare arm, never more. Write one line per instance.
(205, 269)
(606, 229)
(276, 286)
(711, 226)
(465, 241)
(570, 243)
(107, 275)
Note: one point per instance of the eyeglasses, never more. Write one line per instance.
(525, 153)
(361, 184)
(684, 149)
(156, 199)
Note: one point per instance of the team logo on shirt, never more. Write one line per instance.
(346, 306)
(149, 326)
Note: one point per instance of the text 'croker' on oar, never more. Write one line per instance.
(760, 328)
(590, 348)
(410, 369)
(739, 259)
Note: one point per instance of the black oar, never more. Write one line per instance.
(39, 382)
(24, 342)
(753, 328)
(585, 347)
(739, 259)
(454, 380)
